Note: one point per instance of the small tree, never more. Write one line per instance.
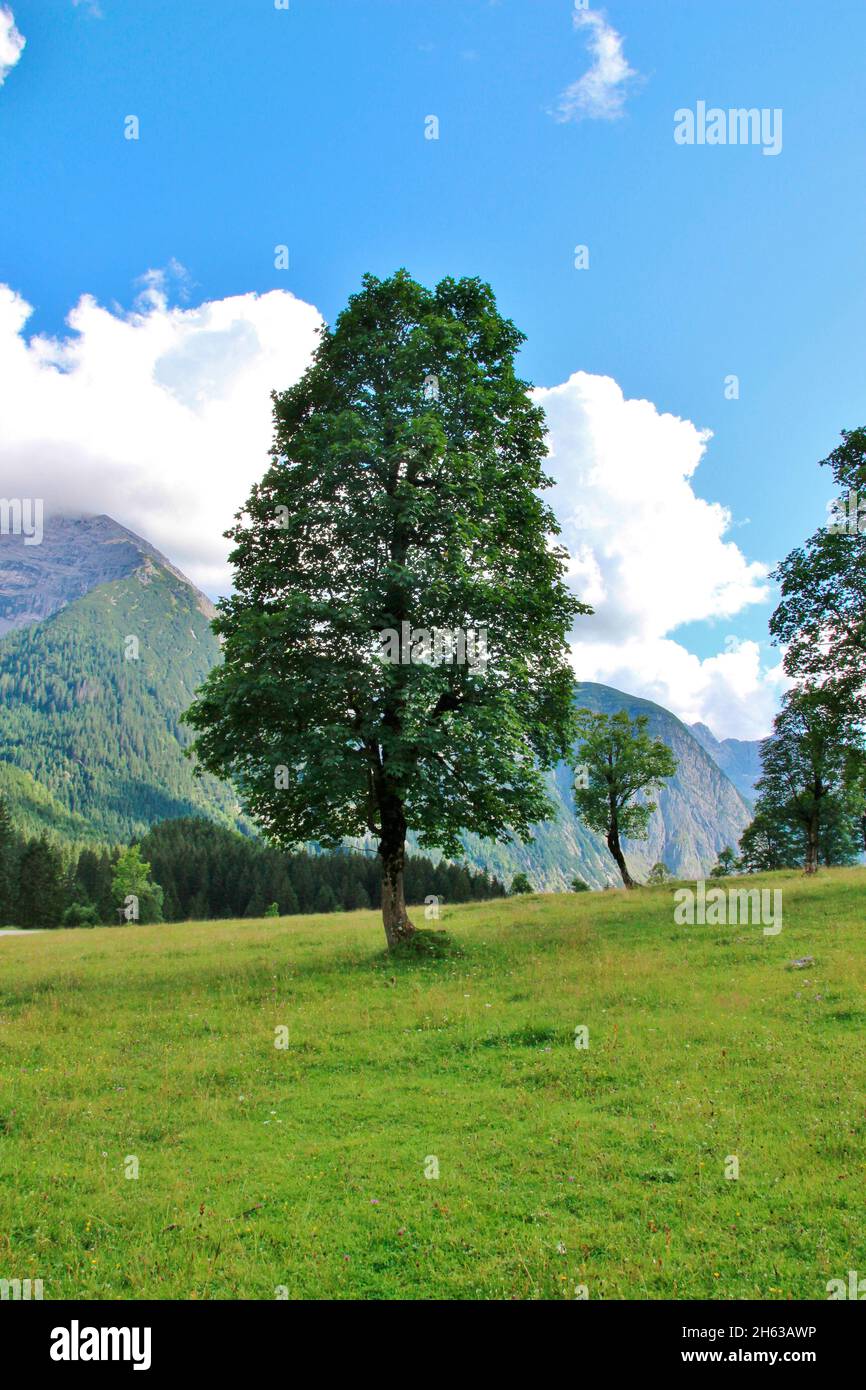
(132, 880)
(659, 873)
(520, 884)
(621, 763)
(80, 915)
(578, 886)
(394, 651)
(725, 864)
(812, 764)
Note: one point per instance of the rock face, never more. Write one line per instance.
(91, 745)
(76, 555)
(739, 759)
(698, 813)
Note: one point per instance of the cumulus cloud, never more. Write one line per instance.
(600, 94)
(160, 417)
(11, 43)
(649, 554)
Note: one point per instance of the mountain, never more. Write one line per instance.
(105, 642)
(739, 759)
(698, 813)
(76, 555)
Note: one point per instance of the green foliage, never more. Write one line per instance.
(577, 885)
(520, 884)
(272, 911)
(93, 747)
(618, 763)
(80, 915)
(132, 879)
(725, 864)
(821, 616)
(207, 871)
(809, 795)
(659, 873)
(40, 885)
(9, 849)
(386, 505)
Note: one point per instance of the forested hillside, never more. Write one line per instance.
(91, 702)
(92, 747)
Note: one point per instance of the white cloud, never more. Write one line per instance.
(600, 94)
(650, 555)
(11, 43)
(160, 417)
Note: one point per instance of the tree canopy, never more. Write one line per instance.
(394, 648)
(619, 763)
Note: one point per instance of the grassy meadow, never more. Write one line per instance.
(302, 1168)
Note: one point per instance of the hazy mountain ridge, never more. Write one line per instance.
(91, 745)
(739, 759)
(698, 813)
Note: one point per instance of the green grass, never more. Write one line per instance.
(305, 1167)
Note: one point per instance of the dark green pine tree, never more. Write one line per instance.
(41, 883)
(401, 510)
(9, 852)
(93, 877)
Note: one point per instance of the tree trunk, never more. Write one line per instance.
(392, 852)
(811, 864)
(615, 848)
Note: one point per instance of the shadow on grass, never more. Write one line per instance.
(423, 946)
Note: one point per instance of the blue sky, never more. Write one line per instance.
(305, 127)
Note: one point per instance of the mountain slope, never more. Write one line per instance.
(75, 556)
(739, 759)
(91, 697)
(698, 812)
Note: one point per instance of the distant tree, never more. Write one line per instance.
(777, 837)
(40, 885)
(92, 884)
(622, 763)
(771, 841)
(659, 873)
(402, 509)
(821, 615)
(811, 764)
(578, 886)
(132, 879)
(80, 915)
(725, 864)
(272, 911)
(520, 884)
(9, 852)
